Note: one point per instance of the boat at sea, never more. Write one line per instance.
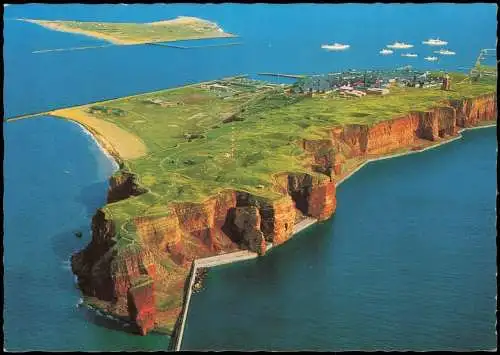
(386, 51)
(410, 55)
(431, 59)
(400, 45)
(445, 52)
(435, 42)
(335, 47)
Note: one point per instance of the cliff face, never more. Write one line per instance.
(122, 186)
(131, 278)
(243, 223)
(313, 197)
(141, 305)
(390, 135)
(472, 111)
(92, 265)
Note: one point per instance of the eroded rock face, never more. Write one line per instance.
(129, 277)
(141, 306)
(472, 111)
(92, 265)
(322, 200)
(313, 197)
(123, 185)
(278, 218)
(243, 224)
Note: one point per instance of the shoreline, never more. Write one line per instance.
(109, 151)
(177, 337)
(432, 146)
(58, 25)
(109, 156)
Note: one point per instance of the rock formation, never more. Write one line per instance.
(130, 278)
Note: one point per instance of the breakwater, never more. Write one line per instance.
(194, 47)
(218, 260)
(71, 49)
(105, 101)
(291, 76)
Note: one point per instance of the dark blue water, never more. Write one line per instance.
(276, 38)
(44, 204)
(406, 263)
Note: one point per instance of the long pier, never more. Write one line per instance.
(72, 48)
(217, 260)
(50, 113)
(292, 76)
(195, 47)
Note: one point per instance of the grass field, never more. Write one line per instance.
(235, 134)
(180, 28)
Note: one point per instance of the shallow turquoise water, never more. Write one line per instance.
(407, 262)
(44, 205)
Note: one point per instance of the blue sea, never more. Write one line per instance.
(407, 262)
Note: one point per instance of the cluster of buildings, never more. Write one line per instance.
(234, 86)
(106, 110)
(361, 83)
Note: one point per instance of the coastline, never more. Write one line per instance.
(109, 149)
(432, 146)
(111, 158)
(60, 27)
(178, 334)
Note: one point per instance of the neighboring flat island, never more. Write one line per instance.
(180, 28)
(234, 164)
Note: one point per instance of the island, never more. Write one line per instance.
(180, 28)
(235, 164)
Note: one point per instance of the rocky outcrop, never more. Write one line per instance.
(277, 216)
(92, 265)
(472, 111)
(243, 224)
(123, 185)
(129, 277)
(141, 305)
(313, 196)
(278, 219)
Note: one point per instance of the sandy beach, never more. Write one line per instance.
(121, 144)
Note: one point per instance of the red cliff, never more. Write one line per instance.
(133, 279)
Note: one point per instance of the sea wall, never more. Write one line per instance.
(129, 279)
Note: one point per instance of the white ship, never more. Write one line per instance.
(435, 42)
(335, 47)
(410, 55)
(386, 51)
(399, 45)
(444, 52)
(431, 59)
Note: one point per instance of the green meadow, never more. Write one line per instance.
(239, 134)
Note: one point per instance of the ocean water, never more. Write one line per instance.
(55, 176)
(406, 263)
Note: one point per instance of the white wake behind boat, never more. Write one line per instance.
(445, 52)
(399, 45)
(386, 51)
(431, 59)
(410, 55)
(435, 42)
(335, 47)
